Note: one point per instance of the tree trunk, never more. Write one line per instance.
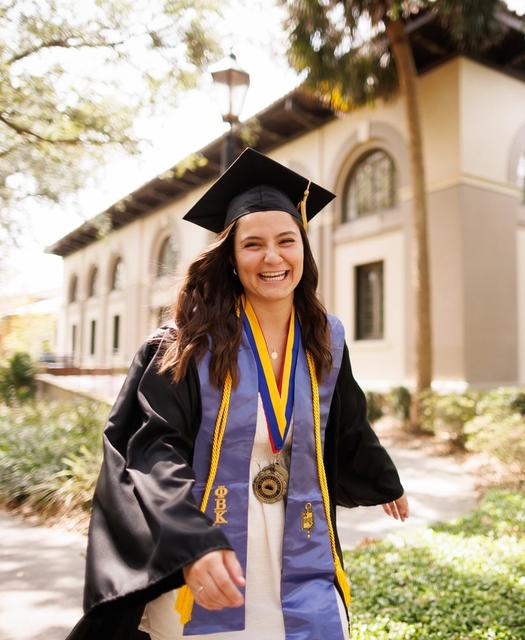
(406, 71)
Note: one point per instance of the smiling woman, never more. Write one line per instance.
(233, 440)
(269, 256)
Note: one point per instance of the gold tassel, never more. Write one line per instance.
(184, 604)
(302, 206)
(343, 583)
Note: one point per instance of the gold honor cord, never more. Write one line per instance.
(184, 602)
(302, 206)
(339, 571)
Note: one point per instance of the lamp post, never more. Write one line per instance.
(232, 83)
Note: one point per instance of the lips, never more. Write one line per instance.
(273, 276)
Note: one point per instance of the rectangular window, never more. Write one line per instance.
(116, 333)
(92, 337)
(369, 301)
(73, 339)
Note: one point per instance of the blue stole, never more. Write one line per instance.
(308, 592)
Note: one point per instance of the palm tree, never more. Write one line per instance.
(326, 41)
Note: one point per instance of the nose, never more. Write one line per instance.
(272, 255)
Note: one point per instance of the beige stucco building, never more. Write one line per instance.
(473, 121)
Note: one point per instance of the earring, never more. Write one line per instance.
(234, 271)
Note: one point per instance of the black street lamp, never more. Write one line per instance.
(232, 84)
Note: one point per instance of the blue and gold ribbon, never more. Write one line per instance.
(277, 399)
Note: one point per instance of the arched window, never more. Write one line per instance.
(93, 283)
(117, 275)
(168, 256)
(73, 289)
(370, 186)
(521, 176)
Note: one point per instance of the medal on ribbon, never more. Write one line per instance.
(271, 483)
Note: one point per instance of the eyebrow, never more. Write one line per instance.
(279, 235)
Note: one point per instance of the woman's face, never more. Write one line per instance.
(268, 255)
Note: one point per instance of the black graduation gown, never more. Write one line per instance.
(145, 524)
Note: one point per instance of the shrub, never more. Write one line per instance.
(499, 436)
(498, 402)
(17, 379)
(518, 403)
(50, 454)
(448, 413)
(452, 412)
(427, 400)
(398, 400)
(375, 402)
(453, 581)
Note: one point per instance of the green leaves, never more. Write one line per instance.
(50, 454)
(456, 581)
(74, 78)
(17, 378)
(343, 48)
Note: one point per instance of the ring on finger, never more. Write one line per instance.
(201, 588)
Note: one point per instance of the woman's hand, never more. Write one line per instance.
(213, 579)
(398, 508)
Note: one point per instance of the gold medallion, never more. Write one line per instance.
(271, 483)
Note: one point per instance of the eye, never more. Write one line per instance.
(249, 245)
(288, 241)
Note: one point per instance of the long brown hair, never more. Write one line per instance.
(205, 313)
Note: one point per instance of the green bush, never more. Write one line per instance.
(375, 402)
(518, 403)
(398, 400)
(452, 411)
(500, 436)
(453, 581)
(448, 413)
(17, 379)
(50, 454)
(427, 400)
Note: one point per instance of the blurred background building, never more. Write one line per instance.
(28, 323)
(119, 285)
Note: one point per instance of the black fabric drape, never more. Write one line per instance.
(145, 524)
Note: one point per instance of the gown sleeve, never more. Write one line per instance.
(359, 470)
(145, 525)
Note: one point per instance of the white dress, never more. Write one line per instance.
(264, 617)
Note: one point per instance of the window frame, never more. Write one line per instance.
(93, 282)
(161, 270)
(118, 266)
(116, 328)
(349, 213)
(92, 337)
(361, 331)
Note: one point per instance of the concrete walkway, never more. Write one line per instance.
(42, 573)
(438, 488)
(42, 569)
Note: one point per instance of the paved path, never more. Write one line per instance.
(438, 488)
(42, 573)
(42, 569)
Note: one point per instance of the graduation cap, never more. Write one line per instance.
(255, 182)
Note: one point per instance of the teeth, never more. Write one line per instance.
(279, 275)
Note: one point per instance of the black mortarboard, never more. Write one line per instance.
(254, 182)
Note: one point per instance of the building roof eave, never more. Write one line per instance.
(290, 116)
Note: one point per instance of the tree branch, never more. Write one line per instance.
(21, 130)
(7, 151)
(65, 44)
